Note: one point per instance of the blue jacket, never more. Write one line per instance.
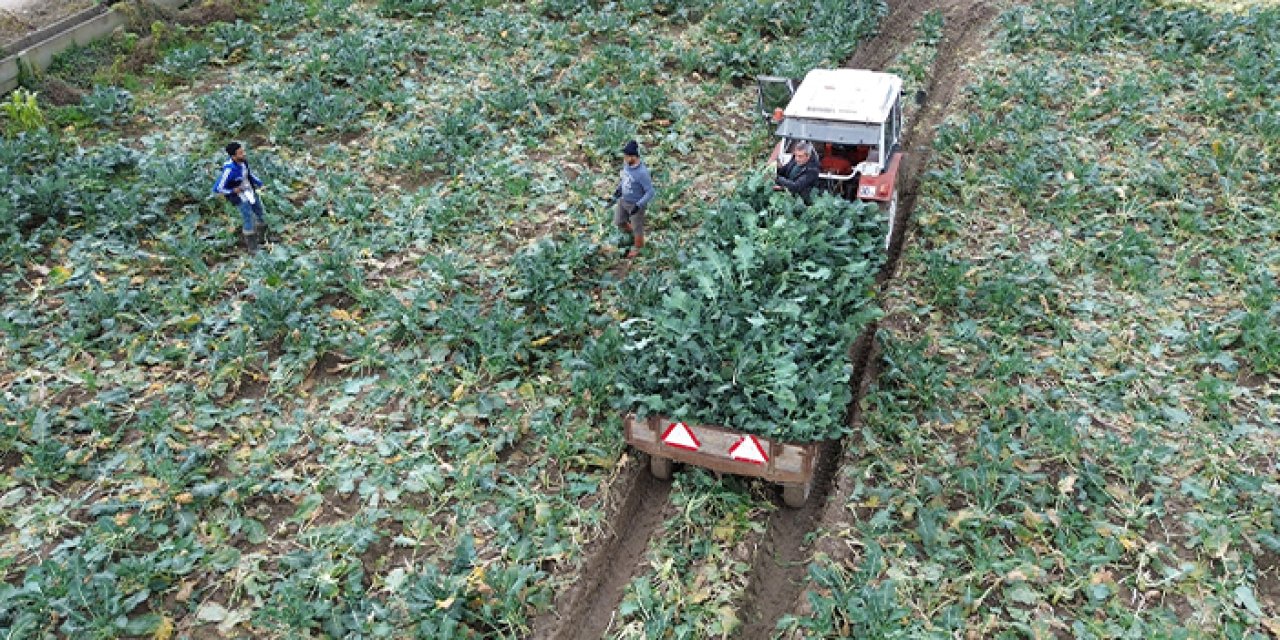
(636, 186)
(233, 175)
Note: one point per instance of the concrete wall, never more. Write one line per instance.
(81, 31)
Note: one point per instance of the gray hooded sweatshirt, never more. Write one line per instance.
(636, 186)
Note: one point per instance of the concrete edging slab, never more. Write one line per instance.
(79, 29)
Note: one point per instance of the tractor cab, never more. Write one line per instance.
(853, 118)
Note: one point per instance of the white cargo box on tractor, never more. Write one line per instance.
(853, 118)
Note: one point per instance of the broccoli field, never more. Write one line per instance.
(1049, 411)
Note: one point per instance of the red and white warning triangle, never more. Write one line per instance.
(680, 436)
(748, 449)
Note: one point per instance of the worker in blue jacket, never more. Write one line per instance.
(239, 186)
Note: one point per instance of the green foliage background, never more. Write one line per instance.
(398, 422)
(380, 427)
(1075, 430)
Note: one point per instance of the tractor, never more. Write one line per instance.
(853, 118)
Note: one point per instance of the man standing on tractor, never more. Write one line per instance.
(633, 194)
(800, 174)
(239, 186)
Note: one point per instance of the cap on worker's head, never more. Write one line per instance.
(232, 148)
(631, 148)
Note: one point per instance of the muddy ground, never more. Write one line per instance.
(777, 577)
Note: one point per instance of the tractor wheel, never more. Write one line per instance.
(794, 495)
(891, 209)
(660, 467)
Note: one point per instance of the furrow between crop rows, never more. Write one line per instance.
(777, 576)
(1071, 435)
(778, 566)
(696, 563)
(585, 611)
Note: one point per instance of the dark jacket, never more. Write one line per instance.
(233, 175)
(799, 178)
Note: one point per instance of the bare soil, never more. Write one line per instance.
(585, 611)
(1268, 585)
(19, 18)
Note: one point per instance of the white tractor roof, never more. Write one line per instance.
(846, 95)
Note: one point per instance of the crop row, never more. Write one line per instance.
(389, 423)
(698, 563)
(1073, 432)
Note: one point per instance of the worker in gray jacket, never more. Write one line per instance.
(635, 191)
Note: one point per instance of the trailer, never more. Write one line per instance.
(853, 119)
(724, 450)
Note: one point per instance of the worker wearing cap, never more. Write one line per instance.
(635, 191)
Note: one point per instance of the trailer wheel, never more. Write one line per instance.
(660, 467)
(794, 495)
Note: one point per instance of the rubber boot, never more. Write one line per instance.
(251, 241)
(635, 250)
(263, 232)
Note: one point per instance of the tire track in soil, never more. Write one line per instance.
(587, 608)
(778, 569)
(966, 28)
(778, 566)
